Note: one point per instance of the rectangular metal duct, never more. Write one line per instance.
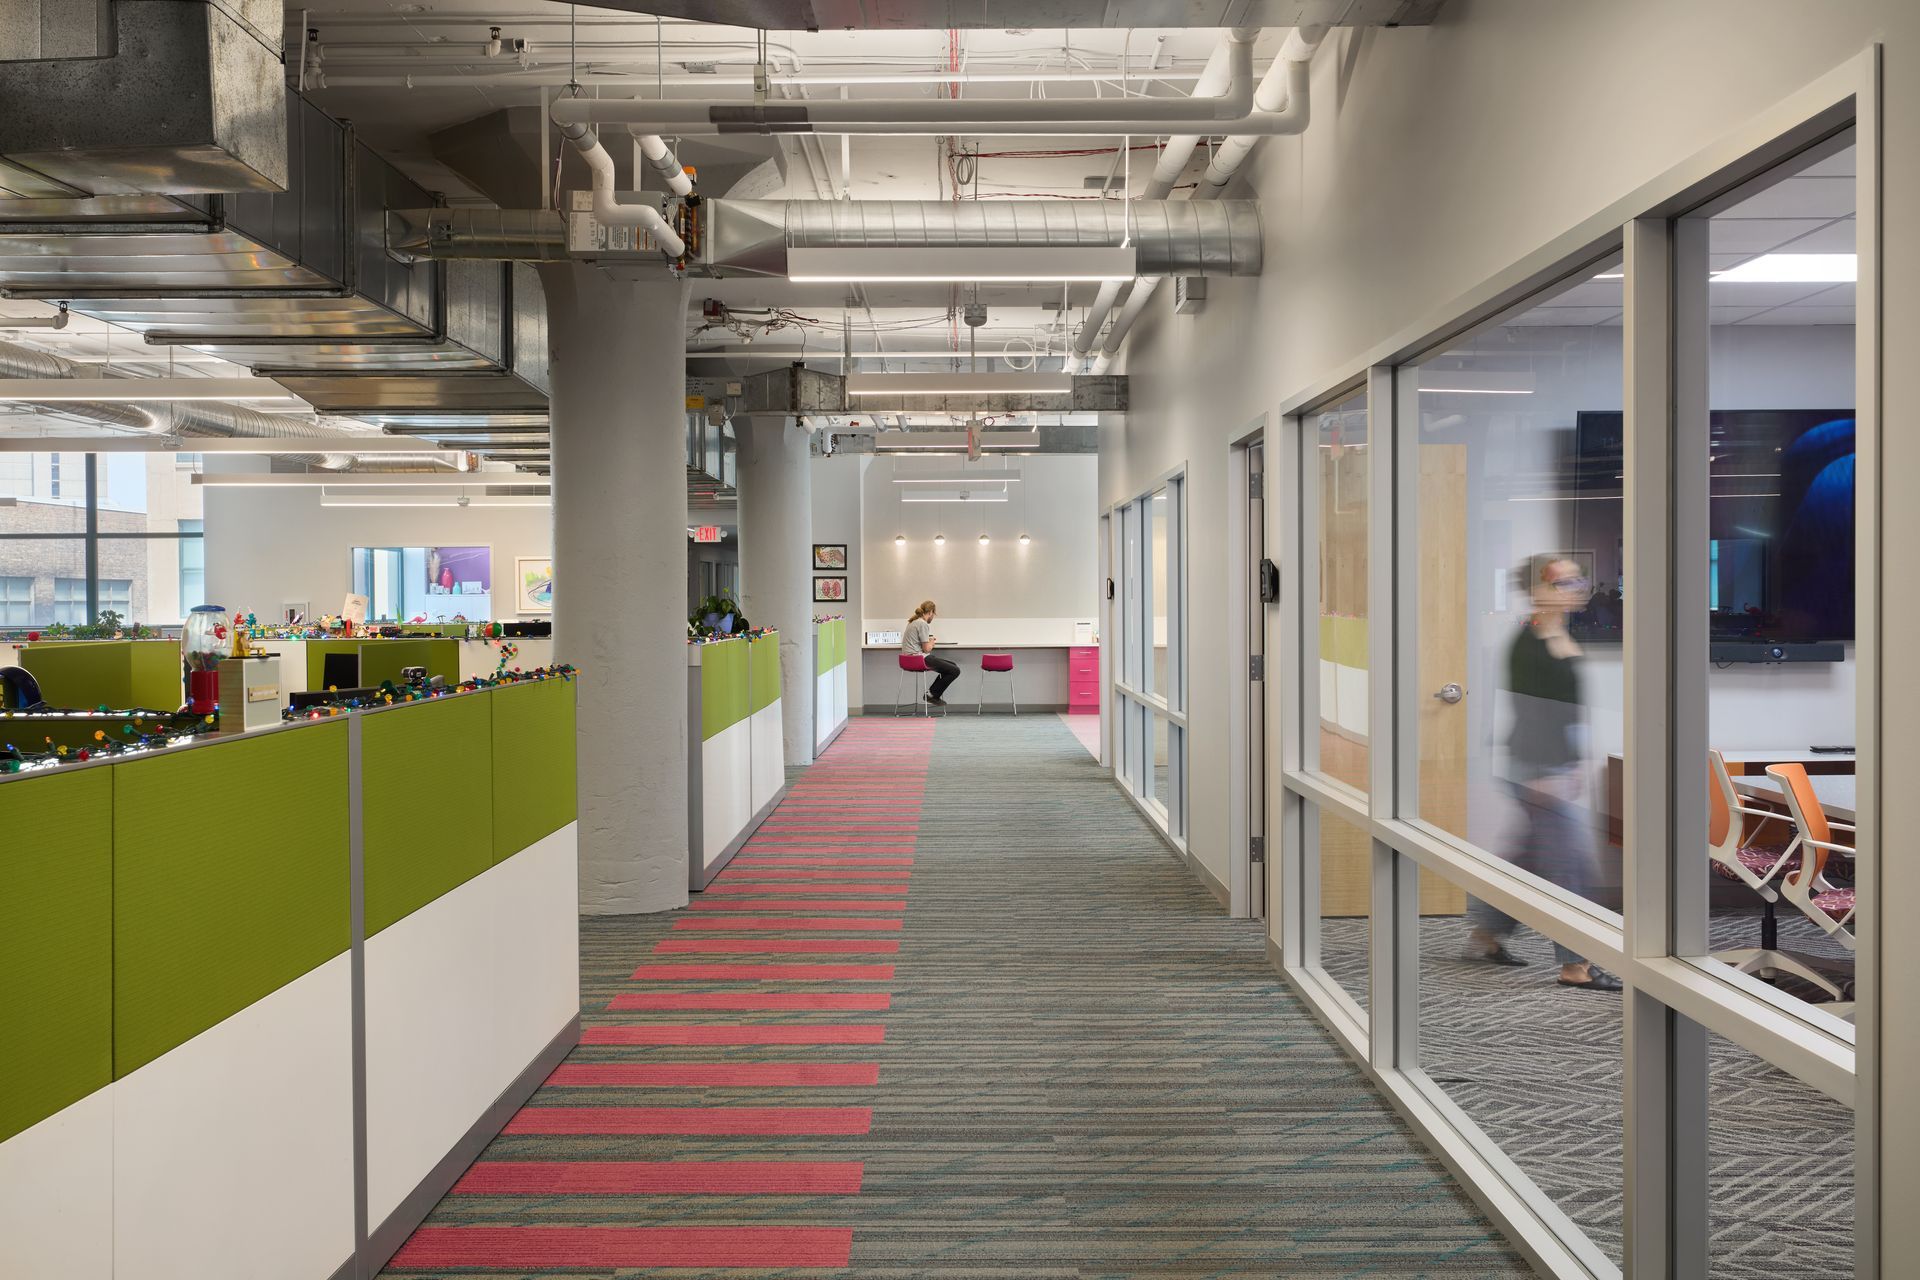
(941, 15)
(179, 97)
(299, 284)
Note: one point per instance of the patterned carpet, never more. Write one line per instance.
(1538, 1068)
(1076, 1067)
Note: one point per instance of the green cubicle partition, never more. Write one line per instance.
(229, 881)
(178, 998)
(424, 836)
(106, 673)
(382, 661)
(763, 672)
(56, 944)
(723, 686)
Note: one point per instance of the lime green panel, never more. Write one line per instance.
(763, 672)
(1343, 641)
(723, 686)
(317, 651)
(426, 786)
(229, 881)
(535, 786)
(157, 675)
(839, 642)
(822, 648)
(382, 661)
(56, 943)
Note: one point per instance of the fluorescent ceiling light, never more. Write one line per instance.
(1793, 268)
(331, 442)
(443, 501)
(961, 477)
(1473, 382)
(958, 384)
(986, 264)
(373, 479)
(963, 497)
(59, 390)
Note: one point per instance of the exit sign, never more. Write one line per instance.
(706, 533)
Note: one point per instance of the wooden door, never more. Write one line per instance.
(1344, 871)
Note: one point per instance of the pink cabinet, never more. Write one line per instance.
(1083, 679)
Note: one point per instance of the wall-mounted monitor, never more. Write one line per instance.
(1780, 524)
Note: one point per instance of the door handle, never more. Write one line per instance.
(1450, 693)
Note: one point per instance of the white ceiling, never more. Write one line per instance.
(1809, 210)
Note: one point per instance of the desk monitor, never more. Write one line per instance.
(339, 671)
(323, 697)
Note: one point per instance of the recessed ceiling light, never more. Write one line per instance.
(1793, 268)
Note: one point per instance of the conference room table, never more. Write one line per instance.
(1835, 791)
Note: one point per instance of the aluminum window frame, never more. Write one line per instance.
(1673, 999)
(1136, 705)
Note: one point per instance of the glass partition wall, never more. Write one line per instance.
(1569, 816)
(1149, 688)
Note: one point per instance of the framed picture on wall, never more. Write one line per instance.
(533, 579)
(831, 589)
(829, 555)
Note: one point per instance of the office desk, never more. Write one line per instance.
(1042, 675)
(1746, 762)
(1836, 792)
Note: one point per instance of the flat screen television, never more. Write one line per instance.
(1780, 522)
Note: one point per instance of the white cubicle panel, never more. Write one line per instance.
(736, 757)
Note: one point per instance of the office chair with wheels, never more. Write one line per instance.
(1760, 869)
(1807, 887)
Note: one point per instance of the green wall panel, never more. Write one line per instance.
(110, 673)
(763, 672)
(839, 641)
(382, 660)
(723, 686)
(822, 648)
(426, 786)
(56, 943)
(1343, 640)
(229, 881)
(535, 787)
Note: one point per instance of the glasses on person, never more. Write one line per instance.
(1569, 584)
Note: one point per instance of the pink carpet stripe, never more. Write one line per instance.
(713, 1075)
(652, 1178)
(760, 847)
(729, 902)
(541, 1248)
(790, 1000)
(758, 872)
(776, 946)
(764, 973)
(731, 1121)
(784, 923)
(734, 887)
(766, 1033)
(756, 861)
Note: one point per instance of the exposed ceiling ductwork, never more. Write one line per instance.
(941, 15)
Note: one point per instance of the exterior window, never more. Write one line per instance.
(16, 602)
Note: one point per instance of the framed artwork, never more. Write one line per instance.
(830, 555)
(830, 589)
(459, 571)
(533, 579)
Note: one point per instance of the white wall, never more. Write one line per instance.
(1053, 576)
(268, 546)
(1438, 157)
(837, 520)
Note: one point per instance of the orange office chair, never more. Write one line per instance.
(1757, 867)
(1807, 887)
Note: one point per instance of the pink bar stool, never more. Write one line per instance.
(991, 662)
(913, 664)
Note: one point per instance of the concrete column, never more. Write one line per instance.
(776, 562)
(620, 574)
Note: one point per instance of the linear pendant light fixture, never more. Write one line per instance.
(958, 384)
(62, 390)
(1009, 264)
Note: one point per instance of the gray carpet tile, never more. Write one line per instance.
(1087, 1072)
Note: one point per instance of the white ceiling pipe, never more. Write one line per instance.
(1008, 116)
(1172, 163)
(605, 209)
(1288, 114)
(1282, 95)
(560, 76)
(665, 163)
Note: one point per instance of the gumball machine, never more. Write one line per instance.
(204, 642)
